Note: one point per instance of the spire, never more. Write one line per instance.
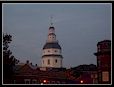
(51, 21)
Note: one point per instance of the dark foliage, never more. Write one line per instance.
(9, 60)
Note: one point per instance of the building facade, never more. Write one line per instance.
(32, 74)
(52, 55)
(83, 74)
(104, 62)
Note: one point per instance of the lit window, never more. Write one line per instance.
(105, 76)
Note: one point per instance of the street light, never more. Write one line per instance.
(44, 81)
(81, 81)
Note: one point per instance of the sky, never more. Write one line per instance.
(78, 28)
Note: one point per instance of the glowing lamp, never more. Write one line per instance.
(81, 81)
(44, 81)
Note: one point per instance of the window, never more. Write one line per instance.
(58, 82)
(53, 82)
(34, 81)
(99, 48)
(48, 61)
(63, 82)
(93, 75)
(55, 50)
(105, 76)
(99, 76)
(43, 61)
(27, 81)
(99, 62)
(56, 61)
(95, 81)
(14, 81)
(48, 50)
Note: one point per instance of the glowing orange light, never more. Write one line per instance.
(81, 81)
(44, 81)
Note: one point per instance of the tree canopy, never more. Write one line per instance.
(9, 60)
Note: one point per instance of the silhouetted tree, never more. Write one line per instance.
(76, 74)
(9, 60)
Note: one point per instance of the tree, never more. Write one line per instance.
(76, 74)
(9, 60)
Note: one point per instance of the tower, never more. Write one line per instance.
(52, 56)
(104, 61)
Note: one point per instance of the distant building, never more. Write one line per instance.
(104, 62)
(51, 56)
(31, 74)
(83, 74)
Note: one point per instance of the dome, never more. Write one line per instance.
(51, 45)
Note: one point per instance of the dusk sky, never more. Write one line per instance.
(78, 27)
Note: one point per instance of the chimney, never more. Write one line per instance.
(31, 63)
(36, 65)
(27, 61)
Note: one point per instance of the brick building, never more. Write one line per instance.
(31, 74)
(83, 74)
(104, 62)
